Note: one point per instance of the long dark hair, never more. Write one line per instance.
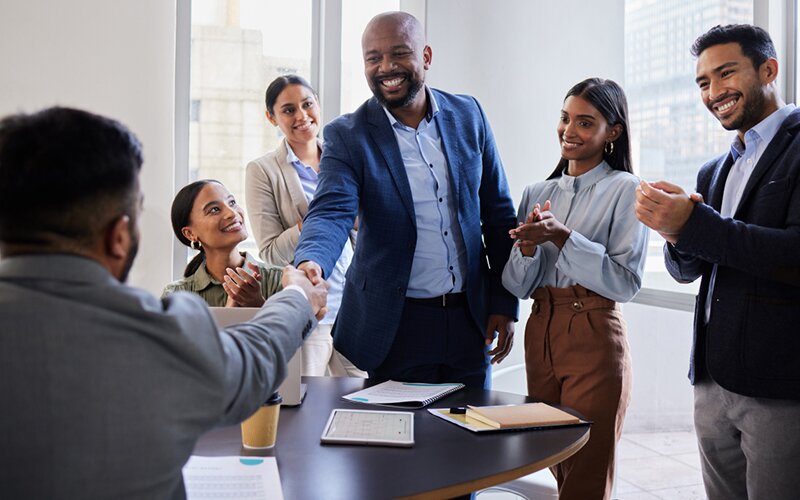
(609, 99)
(181, 217)
(276, 87)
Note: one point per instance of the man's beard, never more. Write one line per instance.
(752, 111)
(414, 86)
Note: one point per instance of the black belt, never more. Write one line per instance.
(449, 300)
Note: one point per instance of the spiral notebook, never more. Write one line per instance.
(403, 394)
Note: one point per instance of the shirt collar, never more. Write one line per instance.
(303, 170)
(763, 131)
(575, 184)
(433, 109)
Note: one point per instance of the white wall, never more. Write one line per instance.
(115, 58)
(519, 58)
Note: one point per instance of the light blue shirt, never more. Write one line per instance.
(746, 158)
(309, 179)
(607, 247)
(440, 260)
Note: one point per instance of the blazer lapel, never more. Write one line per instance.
(717, 185)
(383, 135)
(453, 148)
(775, 148)
(292, 180)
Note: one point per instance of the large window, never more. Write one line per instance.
(672, 133)
(238, 47)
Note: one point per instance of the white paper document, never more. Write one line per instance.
(232, 477)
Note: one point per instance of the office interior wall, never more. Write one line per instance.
(111, 58)
(519, 58)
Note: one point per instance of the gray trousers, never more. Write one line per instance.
(749, 447)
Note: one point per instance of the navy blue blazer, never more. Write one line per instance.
(751, 344)
(362, 173)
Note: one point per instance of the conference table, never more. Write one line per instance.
(445, 461)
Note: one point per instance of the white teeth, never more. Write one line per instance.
(393, 82)
(725, 107)
(233, 227)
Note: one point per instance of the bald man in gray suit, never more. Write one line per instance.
(105, 389)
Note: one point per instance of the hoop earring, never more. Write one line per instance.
(609, 148)
(195, 245)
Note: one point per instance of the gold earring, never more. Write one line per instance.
(608, 148)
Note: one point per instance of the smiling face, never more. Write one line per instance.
(296, 113)
(216, 220)
(395, 60)
(732, 89)
(583, 132)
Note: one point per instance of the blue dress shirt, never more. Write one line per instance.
(440, 261)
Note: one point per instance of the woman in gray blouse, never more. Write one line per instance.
(580, 250)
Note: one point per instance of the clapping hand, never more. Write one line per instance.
(243, 288)
(539, 227)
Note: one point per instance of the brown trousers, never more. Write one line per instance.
(577, 355)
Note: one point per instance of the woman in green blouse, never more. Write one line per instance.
(206, 217)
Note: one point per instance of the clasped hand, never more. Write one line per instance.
(539, 227)
(312, 283)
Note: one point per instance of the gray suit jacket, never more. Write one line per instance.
(105, 389)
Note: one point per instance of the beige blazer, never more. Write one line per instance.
(275, 204)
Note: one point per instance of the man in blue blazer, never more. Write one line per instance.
(745, 244)
(421, 170)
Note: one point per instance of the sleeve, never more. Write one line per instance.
(521, 274)
(613, 270)
(256, 353)
(333, 210)
(270, 280)
(683, 268)
(755, 249)
(497, 218)
(276, 243)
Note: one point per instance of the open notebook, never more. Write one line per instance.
(291, 389)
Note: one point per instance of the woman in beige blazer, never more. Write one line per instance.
(278, 188)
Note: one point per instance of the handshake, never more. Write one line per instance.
(309, 277)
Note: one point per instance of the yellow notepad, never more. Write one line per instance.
(522, 415)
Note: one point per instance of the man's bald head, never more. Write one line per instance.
(396, 22)
(395, 60)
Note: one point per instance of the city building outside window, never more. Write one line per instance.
(672, 133)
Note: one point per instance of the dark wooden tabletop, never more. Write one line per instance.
(445, 461)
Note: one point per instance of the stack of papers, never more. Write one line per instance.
(403, 394)
(232, 477)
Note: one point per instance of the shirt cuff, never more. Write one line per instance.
(298, 288)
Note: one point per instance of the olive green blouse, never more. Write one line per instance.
(211, 290)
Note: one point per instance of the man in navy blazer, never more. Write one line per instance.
(421, 170)
(744, 242)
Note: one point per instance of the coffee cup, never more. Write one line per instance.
(260, 430)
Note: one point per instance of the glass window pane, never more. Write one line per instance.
(672, 133)
(355, 16)
(238, 47)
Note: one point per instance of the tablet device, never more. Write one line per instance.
(369, 427)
